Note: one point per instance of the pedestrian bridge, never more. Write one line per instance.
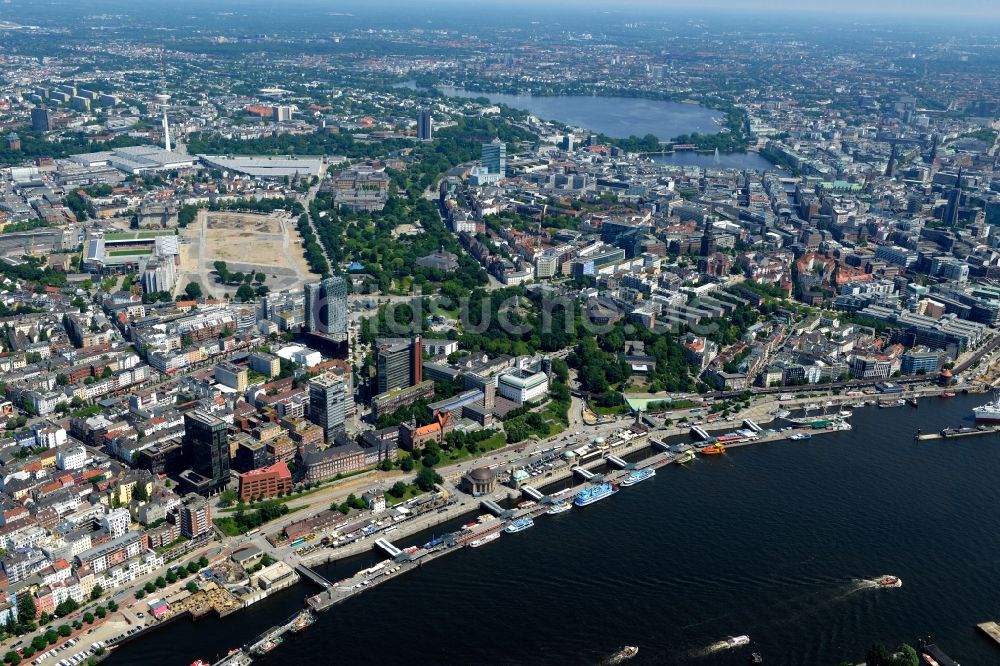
(700, 433)
(617, 462)
(492, 507)
(306, 572)
(533, 493)
(657, 444)
(752, 425)
(585, 473)
(387, 547)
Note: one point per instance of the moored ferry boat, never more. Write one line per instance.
(735, 641)
(684, 457)
(595, 494)
(519, 525)
(712, 450)
(559, 507)
(482, 541)
(638, 476)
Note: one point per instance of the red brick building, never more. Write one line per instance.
(265, 482)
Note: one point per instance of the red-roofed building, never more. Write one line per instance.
(265, 482)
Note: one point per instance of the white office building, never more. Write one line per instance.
(522, 386)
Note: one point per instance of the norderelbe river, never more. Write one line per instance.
(768, 540)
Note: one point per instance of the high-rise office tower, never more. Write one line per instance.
(281, 114)
(40, 120)
(326, 306)
(495, 157)
(206, 447)
(328, 396)
(425, 125)
(954, 202)
(398, 363)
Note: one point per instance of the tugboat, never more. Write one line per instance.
(625, 653)
(269, 645)
(305, 619)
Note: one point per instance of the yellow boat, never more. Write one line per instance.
(713, 450)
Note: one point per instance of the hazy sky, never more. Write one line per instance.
(844, 8)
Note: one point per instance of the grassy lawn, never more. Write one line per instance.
(228, 525)
(609, 411)
(495, 442)
(411, 491)
(136, 235)
(130, 253)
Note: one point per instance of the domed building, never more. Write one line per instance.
(479, 481)
(946, 378)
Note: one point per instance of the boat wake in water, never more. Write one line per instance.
(719, 646)
(810, 603)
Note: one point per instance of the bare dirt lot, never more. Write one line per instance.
(245, 241)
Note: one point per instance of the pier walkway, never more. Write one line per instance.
(493, 507)
(306, 572)
(617, 462)
(700, 433)
(386, 546)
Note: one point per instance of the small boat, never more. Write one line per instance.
(559, 507)
(799, 436)
(625, 653)
(948, 394)
(712, 450)
(913, 402)
(845, 414)
(888, 581)
(482, 541)
(736, 641)
(755, 658)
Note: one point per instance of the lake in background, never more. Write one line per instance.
(770, 540)
(614, 116)
(746, 160)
